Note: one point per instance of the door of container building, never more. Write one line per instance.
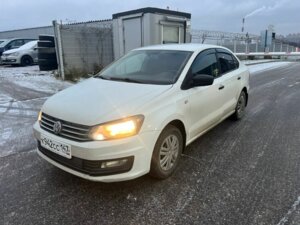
(132, 30)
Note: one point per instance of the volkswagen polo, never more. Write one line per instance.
(137, 115)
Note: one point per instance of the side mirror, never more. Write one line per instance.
(202, 80)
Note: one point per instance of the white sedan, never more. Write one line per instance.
(138, 114)
(26, 55)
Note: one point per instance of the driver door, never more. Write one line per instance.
(205, 103)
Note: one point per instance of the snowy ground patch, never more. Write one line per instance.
(266, 66)
(258, 61)
(31, 77)
(4, 98)
(23, 90)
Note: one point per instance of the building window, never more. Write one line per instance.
(170, 34)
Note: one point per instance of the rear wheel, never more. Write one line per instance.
(26, 61)
(240, 107)
(167, 152)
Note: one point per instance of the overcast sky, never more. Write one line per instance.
(223, 15)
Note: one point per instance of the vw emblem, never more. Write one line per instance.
(57, 127)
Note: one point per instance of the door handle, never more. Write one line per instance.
(221, 87)
(239, 78)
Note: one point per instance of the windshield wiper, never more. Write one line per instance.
(101, 77)
(126, 79)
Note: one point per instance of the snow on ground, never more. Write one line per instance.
(23, 90)
(249, 62)
(266, 66)
(31, 77)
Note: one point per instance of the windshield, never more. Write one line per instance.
(148, 66)
(28, 45)
(3, 43)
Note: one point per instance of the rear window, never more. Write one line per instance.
(227, 62)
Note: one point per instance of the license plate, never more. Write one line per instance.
(56, 147)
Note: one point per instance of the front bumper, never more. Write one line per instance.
(137, 149)
(10, 60)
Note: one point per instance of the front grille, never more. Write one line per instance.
(72, 131)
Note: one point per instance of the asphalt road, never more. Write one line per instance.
(245, 172)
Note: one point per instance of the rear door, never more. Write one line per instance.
(231, 80)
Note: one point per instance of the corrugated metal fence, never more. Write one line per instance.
(85, 47)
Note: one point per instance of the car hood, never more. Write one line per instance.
(11, 51)
(95, 101)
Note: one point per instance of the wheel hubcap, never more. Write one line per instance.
(169, 152)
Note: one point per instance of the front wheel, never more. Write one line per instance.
(240, 107)
(167, 152)
(26, 61)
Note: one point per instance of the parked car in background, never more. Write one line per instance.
(137, 115)
(25, 55)
(9, 44)
(2, 40)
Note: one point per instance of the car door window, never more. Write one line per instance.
(15, 44)
(206, 63)
(227, 62)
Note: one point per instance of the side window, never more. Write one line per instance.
(27, 40)
(227, 62)
(15, 44)
(236, 62)
(206, 63)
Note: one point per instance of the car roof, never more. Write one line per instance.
(23, 39)
(193, 47)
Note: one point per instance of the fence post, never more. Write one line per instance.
(280, 46)
(234, 45)
(59, 50)
(256, 46)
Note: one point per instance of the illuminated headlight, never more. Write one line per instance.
(15, 54)
(117, 129)
(40, 116)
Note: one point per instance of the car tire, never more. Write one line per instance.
(240, 107)
(167, 152)
(26, 61)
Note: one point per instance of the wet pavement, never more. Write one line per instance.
(245, 172)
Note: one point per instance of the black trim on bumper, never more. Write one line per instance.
(89, 167)
(9, 60)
